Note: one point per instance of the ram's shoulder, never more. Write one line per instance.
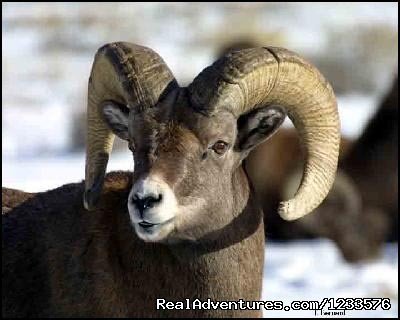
(66, 195)
(10, 198)
(118, 181)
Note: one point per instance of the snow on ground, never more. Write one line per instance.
(314, 269)
(299, 270)
(35, 174)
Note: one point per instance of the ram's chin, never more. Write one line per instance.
(155, 233)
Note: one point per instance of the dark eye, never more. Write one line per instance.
(220, 147)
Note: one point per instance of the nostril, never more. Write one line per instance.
(150, 201)
(146, 202)
(159, 198)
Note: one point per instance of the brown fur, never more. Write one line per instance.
(12, 198)
(204, 228)
(358, 233)
(372, 164)
(269, 167)
(60, 260)
(373, 161)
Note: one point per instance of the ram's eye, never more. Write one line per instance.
(220, 147)
(131, 146)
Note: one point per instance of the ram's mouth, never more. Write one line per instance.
(146, 225)
(150, 231)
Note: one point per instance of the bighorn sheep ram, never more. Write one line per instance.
(185, 224)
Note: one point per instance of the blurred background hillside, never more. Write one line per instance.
(48, 49)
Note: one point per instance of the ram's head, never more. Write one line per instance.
(188, 143)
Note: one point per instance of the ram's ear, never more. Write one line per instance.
(116, 116)
(257, 126)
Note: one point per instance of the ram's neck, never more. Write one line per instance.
(228, 267)
(133, 274)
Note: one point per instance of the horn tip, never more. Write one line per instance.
(91, 195)
(87, 201)
(288, 213)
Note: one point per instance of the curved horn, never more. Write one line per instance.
(130, 75)
(344, 187)
(251, 78)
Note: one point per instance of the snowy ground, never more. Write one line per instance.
(300, 270)
(313, 270)
(35, 174)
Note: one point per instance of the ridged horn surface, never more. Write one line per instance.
(127, 74)
(247, 79)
